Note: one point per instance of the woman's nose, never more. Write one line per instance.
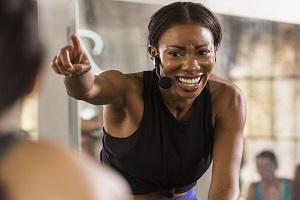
(191, 64)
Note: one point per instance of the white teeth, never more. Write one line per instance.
(189, 81)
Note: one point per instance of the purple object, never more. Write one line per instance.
(190, 195)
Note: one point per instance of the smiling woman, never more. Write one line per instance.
(163, 128)
(188, 53)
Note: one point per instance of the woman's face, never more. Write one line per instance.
(187, 55)
(265, 168)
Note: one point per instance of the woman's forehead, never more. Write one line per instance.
(264, 160)
(186, 34)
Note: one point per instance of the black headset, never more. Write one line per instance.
(164, 82)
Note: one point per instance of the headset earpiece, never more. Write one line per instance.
(164, 82)
(156, 61)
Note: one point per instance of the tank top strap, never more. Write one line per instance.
(258, 191)
(285, 190)
(149, 80)
(208, 118)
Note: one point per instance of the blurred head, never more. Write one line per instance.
(20, 50)
(266, 163)
(185, 36)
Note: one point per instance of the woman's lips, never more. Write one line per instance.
(189, 83)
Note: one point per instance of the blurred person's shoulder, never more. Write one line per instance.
(287, 181)
(106, 180)
(45, 170)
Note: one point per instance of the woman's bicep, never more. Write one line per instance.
(109, 87)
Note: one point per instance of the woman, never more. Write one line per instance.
(162, 128)
(38, 170)
(270, 187)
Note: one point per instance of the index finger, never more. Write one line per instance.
(76, 42)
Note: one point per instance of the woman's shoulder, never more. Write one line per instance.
(226, 97)
(141, 80)
(137, 76)
(285, 180)
(224, 91)
(220, 87)
(136, 80)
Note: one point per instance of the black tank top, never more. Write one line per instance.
(163, 154)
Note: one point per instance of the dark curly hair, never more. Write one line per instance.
(21, 51)
(180, 13)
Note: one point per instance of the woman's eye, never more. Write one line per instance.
(174, 54)
(204, 52)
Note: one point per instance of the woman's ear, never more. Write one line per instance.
(152, 51)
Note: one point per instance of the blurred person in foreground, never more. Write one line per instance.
(38, 170)
(270, 187)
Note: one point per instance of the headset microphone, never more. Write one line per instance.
(164, 82)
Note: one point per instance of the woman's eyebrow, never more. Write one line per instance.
(176, 46)
(201, 46)
(183, 48)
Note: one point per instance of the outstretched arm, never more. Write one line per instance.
(106, 88)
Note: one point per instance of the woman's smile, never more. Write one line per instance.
(189, 83)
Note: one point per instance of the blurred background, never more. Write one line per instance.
(260, 52)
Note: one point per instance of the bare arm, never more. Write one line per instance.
(228, 144)
(106, 88)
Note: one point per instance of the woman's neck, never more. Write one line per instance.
(270, 181)
(179, 108)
